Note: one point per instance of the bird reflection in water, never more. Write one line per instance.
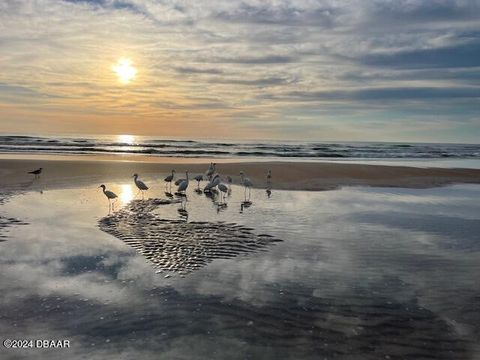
(182, 210)
(230, 182)
(245, 205)
(217, 199)
(221, 207)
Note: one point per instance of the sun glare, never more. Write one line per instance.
(126, 139)
(126, 194)
(124, 71)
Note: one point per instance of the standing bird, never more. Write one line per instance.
(269, 183)
(169, 178)
(210, 171)
(184, 184)
(269, 178)
(214, 182)
(109, 194)
(247, 183)
(178, 181)
(140, 184)
(224, 189)
(230, 181)
(198, 178)
(36, 172)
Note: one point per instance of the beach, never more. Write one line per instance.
(355, 272)
(64, 171)
(241, 180)
(334, 256)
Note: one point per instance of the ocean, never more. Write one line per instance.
(159, 147)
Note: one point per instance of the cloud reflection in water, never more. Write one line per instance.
(341, 284)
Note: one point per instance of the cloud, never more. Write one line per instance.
(196, 70)
(286, 52)
(391, 93)
(286, 15)
(263, 82)
(461, 56)
(251, 60)
(404, 11)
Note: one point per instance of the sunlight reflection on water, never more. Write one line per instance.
(126, 194)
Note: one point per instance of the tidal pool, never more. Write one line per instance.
(356, 273)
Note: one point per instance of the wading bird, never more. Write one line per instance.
(140, 184)
(224, 189)
(184, 184)
(169, 178)
(36, 172)
(109, 194)
(198, 178)
(211, 171)
(246, 183)
(269, 177)
(214, 182)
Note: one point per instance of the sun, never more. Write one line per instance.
(124, 70)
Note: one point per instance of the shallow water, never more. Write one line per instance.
(360, 273)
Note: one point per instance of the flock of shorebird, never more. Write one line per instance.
(215, 183)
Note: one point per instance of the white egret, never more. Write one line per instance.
(36, 172)
(247, 183)
(109, 194)
(140, 184)
(169, 178)
(184, 184)
(214, 182)
(198, 178)
(224, 189)
(211, 171)
(178, 181)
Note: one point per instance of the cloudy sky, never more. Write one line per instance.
(400, 70)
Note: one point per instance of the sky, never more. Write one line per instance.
(400, 70)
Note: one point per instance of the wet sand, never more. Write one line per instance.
(360, 273)
(61, 173)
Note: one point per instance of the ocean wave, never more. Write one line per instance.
(194, 148)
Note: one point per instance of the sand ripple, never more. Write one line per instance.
(177, 245)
